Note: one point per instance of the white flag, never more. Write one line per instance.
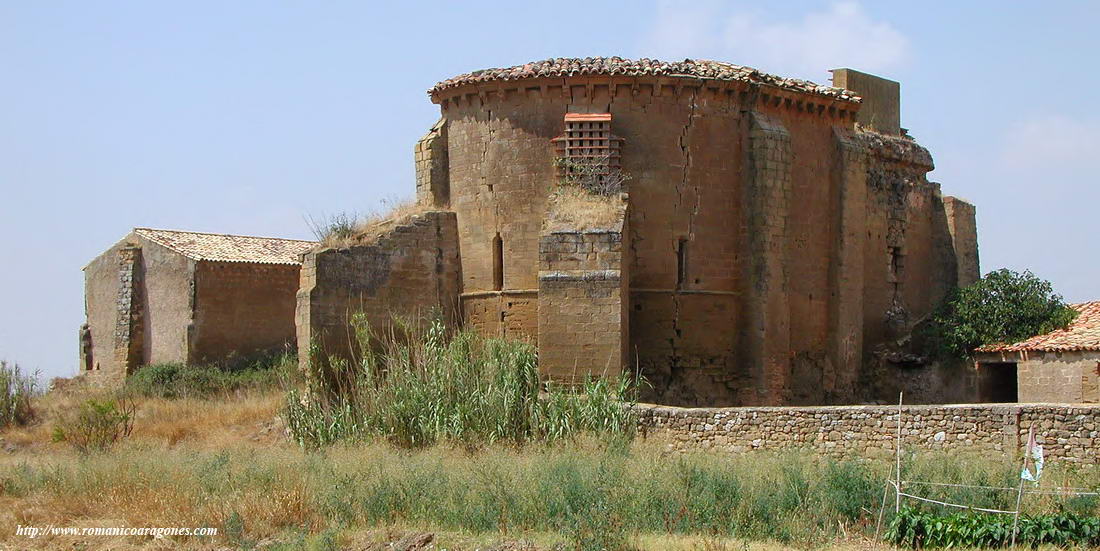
(1035, 452)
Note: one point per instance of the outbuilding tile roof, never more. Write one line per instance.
(229, 248)
(692, 68)
(1081, 334)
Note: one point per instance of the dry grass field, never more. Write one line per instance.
(228, 463)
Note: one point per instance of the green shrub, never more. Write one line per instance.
(1002, 307)
(176, 380)
(917, 529)
(416, 386)
(97, 425)
(16, 390)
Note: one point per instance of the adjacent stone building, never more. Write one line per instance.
(772, 233)
(1060, 366)
(175, 296)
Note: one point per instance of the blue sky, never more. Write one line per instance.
(245, 117)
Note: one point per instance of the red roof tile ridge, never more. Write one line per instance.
(225, 234)
(691, 68)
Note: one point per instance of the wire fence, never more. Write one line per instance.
(900, 492)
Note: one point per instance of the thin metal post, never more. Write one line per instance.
(897, 487)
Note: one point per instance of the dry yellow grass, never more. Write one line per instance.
(573, 208)
(247, 418)
(200, 463)
(370, 226)
(150, 479)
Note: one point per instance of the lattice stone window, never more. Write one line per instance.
(588, 151)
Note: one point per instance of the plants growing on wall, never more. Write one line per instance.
(597, 176)
(1002, 307)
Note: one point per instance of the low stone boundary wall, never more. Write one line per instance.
(1068, 432)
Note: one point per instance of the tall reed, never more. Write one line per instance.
(16, 390)
(416, 384)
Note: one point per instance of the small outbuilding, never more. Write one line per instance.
(179, 296)
(1060, 366)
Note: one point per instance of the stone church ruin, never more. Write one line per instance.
(771, 233)
(747, 239)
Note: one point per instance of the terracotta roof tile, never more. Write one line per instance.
(229, 248)
(1082, 334)
(691, 68)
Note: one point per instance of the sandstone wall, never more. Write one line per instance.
(138, 306)
(243, 308)
(583, 301)
(409, 268)
(169, 302)
(962, 225)
(694, 151)
(1050, 376)
(430, 157)
(773, 246)
(1069, 433)
(106, 278)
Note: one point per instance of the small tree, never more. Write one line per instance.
(1002, 307)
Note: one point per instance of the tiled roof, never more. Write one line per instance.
(692, 68)
(1081, 334)
(229, 248)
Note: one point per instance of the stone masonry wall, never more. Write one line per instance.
(1070, 375)
(243, 308)
(430, 156)
(582, 304)
(129, 334)
(962, 225)
(409, 268)
(1068, 433)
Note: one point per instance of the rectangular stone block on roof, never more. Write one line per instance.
(229, 248)
(1081, 334)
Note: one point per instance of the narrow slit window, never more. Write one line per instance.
(498, 263)
(681, 263)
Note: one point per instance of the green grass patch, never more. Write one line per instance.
(177, 380)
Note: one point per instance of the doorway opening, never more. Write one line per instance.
(997, 382)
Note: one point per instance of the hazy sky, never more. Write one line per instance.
(244, 117)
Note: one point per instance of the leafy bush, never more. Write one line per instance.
(97, 425)
(1002, 307)
(176, 380)
(417, 385)
(917, 529)
(16, 390)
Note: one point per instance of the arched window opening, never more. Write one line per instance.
(498, 263)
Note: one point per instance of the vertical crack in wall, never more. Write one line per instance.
(677, 303)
